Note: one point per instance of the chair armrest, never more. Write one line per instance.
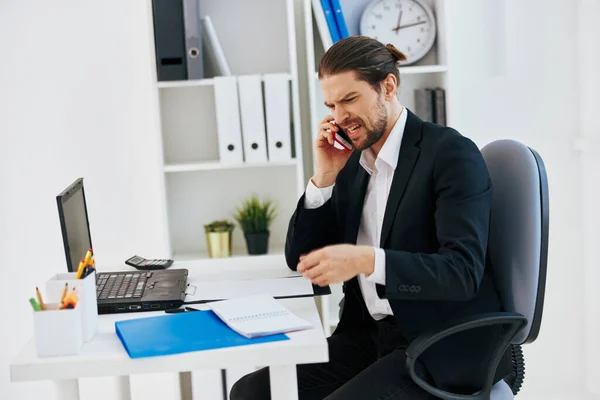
(515, 321)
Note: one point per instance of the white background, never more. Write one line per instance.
(77, 99)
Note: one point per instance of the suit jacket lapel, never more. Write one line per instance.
(407, 158)
(359, 189)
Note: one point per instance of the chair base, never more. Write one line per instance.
(515, 379)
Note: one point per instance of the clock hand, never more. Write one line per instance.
(398, 25)
(408, 25)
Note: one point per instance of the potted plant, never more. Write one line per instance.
(218, 238)
(255, 218)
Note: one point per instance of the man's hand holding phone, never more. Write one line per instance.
(329, 160)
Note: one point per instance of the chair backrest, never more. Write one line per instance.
(518, 241)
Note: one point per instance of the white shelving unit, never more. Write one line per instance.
(431, 71)
(258, 37)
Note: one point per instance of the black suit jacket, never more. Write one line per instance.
(434, 234)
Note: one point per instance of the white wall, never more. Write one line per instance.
(589, 145)
(76, 99)
(518, 77)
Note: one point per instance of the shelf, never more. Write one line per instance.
(189, 83)
(417, 69)
(423, 69)
(216, 165)
(194, 82)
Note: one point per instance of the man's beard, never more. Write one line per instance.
(378, 129)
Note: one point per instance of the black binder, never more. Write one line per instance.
(169, 40)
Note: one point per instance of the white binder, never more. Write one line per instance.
(253, 118)
(277, 107)
(228, 120)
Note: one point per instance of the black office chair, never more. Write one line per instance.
(518, 252)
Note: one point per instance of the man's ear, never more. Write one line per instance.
(390, 86)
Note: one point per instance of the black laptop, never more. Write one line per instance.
(116, 291)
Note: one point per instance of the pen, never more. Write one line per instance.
(39, 298)
(87, 271)
(34, 304)
(180, 310)
(175, 310)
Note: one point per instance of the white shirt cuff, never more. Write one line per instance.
(315, 197)
(378, 275)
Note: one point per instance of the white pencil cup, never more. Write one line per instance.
(86, 291)
(57, 332)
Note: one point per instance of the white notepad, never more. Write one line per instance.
(258, 315)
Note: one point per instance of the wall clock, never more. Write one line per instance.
(407, 24)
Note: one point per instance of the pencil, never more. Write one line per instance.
(39, 297)
(64, 293)
(80, 269)
(88, 255)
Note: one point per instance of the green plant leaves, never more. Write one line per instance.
(255, 216)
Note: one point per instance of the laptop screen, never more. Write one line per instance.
(74, 224)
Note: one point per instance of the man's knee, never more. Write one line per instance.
(254, 386)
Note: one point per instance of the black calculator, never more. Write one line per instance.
(148, 265)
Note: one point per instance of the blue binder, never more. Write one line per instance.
(181, 333)
(338, 14)
(330, 18)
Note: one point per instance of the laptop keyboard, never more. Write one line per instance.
(121, 286)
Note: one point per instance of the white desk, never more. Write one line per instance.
(105, 355)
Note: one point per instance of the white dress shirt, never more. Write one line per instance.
(381, 168)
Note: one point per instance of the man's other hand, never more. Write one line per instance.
(337, 263)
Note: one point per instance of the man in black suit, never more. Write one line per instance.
(402, 220)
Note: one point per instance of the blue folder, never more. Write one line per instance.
(338, 14)
(180, 333)
(330, 18)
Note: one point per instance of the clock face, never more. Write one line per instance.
(407, 24)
